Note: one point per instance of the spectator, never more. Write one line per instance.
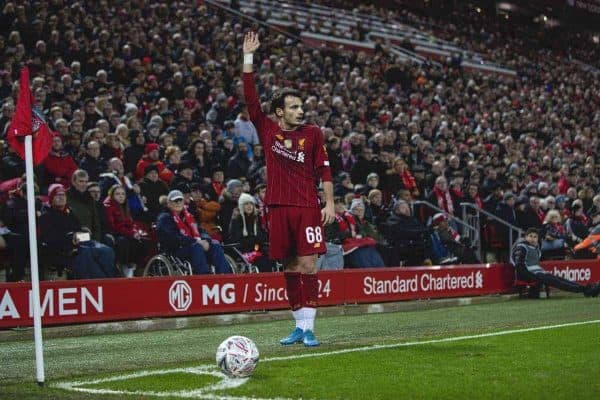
(446, 243)
(245, 229)
(133, 153)
(347, 159)
(365, 166)
(151, 156)
(441, 197)
(92, 163)
(239, 164)
(229, 203)
(196, 155)
(178, 233)
(219, 111)
(359, 251)
(131, 242)
(399, 177)
(59, 164)
(59, 231)
(172, 160)
(83, 207)
(376, 210)
(216, 187)
(554, 237)
(244, 127)
(343, 185)
(208, 212)
(577, 226)
(116, 176)
(151, 189)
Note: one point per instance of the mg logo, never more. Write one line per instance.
(180, 296)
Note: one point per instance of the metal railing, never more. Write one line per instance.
(468, 230)
(514, 232)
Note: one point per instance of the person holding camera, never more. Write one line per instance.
(67, 243)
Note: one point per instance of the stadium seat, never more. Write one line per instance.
(530, 289)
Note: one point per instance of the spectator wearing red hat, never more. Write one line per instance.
(59, 164)
(151, 156)
(65, 240)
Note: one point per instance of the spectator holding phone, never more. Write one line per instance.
(66, 242)
(131, 241)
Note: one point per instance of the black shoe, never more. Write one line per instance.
(592, 290)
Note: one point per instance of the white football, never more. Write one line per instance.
(237, 356)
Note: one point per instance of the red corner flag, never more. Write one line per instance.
(28, 121)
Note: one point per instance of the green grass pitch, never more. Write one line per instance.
(555, 363)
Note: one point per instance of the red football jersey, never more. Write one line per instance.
(295, 159)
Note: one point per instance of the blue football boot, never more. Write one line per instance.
(296, 336)
(309, 339)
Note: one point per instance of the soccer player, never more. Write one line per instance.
(296, 160)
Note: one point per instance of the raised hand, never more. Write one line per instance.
(251, 42)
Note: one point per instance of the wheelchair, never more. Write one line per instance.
(166, 264)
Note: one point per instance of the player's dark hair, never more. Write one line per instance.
(278, 97)
(532, 230)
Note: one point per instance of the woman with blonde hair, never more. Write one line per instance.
(554, 236)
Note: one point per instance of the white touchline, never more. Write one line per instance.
(229, 383)
(406, 344)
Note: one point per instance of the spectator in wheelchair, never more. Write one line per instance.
(68, 244)
(245, 229)
(132, 243)
(178, 234)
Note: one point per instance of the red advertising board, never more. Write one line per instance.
(67, 302)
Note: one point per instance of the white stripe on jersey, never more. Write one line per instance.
(326, 163)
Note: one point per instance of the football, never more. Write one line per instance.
(237, 356)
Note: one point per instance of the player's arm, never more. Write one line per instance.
(258, 118)
(324, 172)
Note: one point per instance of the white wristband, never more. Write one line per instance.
(249, 58)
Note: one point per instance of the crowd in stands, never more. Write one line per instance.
(145, 102)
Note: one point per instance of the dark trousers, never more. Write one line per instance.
(130, 250)
(94, 260)
(551, 280)
(199, 258)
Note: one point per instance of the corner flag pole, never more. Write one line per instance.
(35, 279)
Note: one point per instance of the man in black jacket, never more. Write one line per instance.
(525, 258)
(407, 235)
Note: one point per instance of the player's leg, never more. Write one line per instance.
(310, 242)
(280, 249)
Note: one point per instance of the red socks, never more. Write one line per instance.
(293, 282)
(310, 290)
(302, 289)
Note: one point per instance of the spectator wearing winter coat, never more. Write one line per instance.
(116, 176)
(240, 163)
(92, 162)
(406, 235)
(133, 154)
(83, 205)
(151, 188)
(245, 229)
(359, 251)
(577, 225)
(59, 164)
(131, 244)
(208, 212)
(376, 209)
(229, 202)
(217, 184)
(151, 156)
(58, 227)
(178, 233)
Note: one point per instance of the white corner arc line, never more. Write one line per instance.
(227, 383)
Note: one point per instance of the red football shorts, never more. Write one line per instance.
(295, 231)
